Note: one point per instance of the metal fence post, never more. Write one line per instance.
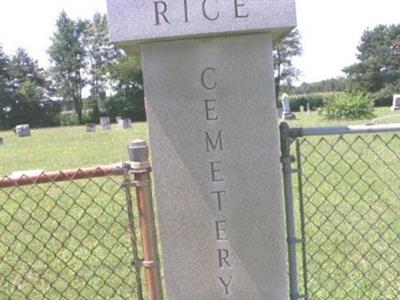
(140, 167)
(290, 222)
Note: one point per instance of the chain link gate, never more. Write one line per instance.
(342, 196)
(78, 234)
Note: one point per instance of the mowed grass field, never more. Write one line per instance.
(67, 240)
(70, 240)
(66, 148)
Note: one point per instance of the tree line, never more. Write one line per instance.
(376, 72)
(87, 75)
(91, 78)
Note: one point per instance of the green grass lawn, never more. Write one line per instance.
(71, 239)
(66, 148)
(66, 240)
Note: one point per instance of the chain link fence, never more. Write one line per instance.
(346, 212)
(68, 235)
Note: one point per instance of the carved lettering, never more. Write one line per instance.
(219, 198)
(208, 86)
(160, 8)
(223, 255)
(220, 227)
(206, 15)
(185, 7)
(215, 172)
(213, 145)
(211, 110)
(226, 284)
(237, 12)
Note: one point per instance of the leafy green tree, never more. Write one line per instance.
(284, 52)
(68, 60)
(128, 100)
(100, 55)
(378, 68)
(29, 93)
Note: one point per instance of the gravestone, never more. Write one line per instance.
(118, 119)
(105, 123)
(396, 103)
(210, 101)
(90, 127)
(301, 108)
(287, 112)
(125, 123)
(308, 108)
(23, 130)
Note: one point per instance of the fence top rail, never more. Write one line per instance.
(57, 176)
(339, 130)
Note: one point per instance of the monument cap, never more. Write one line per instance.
(133, 22)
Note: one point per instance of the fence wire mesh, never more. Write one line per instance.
(66, 240)
(348, 208)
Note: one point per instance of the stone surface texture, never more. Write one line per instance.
(242, 72)
(134, 21)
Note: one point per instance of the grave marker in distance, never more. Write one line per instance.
(209, 85)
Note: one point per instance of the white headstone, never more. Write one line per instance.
(214, 139)
(125, 123)
(396, 103)
(105, 123)
(23, 130)
(301, 108)
(118, 119)
(287, 112)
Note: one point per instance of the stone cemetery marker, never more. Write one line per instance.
(105, 123)
(23, 130)
(301, 108)
(125, 123)
(90, 127)
(287, 112)
(308, 108)
(209, 86)
(396, 103)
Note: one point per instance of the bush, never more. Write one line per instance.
(349, 106)
(315, 100)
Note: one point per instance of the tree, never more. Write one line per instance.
(378, 69)
(100, 55)
(128, 86)
(68, 59)
(284, 52)
(29, 93)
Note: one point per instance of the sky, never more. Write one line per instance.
(330, 29)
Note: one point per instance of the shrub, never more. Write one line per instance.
(315, 100)
(349, 106)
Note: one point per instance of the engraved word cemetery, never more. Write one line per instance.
(213, 129)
